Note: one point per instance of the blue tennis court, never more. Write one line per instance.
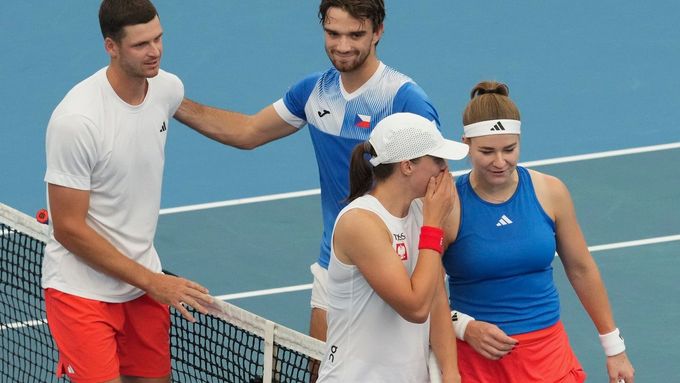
(589, 77)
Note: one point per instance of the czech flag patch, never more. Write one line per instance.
(362, 121)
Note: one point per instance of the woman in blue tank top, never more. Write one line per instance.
(502, 241)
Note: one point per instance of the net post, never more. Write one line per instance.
(268, 352)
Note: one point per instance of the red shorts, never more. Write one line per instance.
(541, 356)
(100, 341)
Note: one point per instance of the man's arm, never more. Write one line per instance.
(68, 210)
(231, 128)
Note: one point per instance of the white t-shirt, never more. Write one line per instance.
(368, 341)
(97, 142)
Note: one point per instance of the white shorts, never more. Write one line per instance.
(319, 287)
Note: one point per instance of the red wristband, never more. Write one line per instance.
(431, 238)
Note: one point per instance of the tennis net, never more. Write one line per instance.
(227, 345)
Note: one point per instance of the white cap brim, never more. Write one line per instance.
(450, 150)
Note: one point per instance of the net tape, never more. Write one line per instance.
(228, 344)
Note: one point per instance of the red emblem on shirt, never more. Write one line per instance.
(401, 251)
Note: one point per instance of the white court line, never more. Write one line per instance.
(611, 153)
(639, 242)
(310, 192)
(240, 201)
(257, 293)
(593, 249)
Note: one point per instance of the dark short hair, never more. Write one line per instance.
(373, 10)
(114, 15)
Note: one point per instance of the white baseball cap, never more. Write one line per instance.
(405, 136)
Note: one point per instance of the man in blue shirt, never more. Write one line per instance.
(340, 107)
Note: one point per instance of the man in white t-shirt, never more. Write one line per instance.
(106, 296)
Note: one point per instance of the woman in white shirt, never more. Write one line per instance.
(387, 300)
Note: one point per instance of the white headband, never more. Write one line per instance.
(489, 127)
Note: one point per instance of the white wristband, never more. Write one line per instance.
(612, 343)
(460, 321)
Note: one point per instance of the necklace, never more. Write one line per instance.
(506, 193)
(490, 198)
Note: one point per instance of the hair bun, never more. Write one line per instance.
(487, 87)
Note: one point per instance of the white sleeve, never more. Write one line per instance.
(71, 151)
(286, 115)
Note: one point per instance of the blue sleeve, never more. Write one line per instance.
(412, 98)
(296, 97)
